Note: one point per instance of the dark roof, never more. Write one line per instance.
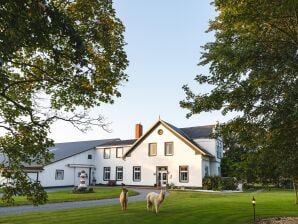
(68, 149)
(119, 142)
(192, 133)
(198, 131)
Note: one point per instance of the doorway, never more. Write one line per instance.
(162, 176)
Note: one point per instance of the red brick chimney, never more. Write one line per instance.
(139, 131)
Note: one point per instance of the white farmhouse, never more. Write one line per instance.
(163, 155)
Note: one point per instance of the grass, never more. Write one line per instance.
(179, 207)
(67, 195)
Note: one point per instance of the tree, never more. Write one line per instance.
(58, 59)
(254, 71)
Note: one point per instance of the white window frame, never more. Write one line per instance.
(149, 149)
(119, 171)
(107, 153)
(106, 171)
(137, 171)
(59, 175)
(117, 152)
(166, 151)
(181, 172)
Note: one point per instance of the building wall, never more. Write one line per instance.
(183, 156)
(112, 162)
(47, 176)
(215, 147)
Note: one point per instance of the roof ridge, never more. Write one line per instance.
(112, 139)
(200, 126)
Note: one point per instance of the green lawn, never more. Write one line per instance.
(67, 195)
(179, 207)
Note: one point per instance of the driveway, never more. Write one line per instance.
(77, 204)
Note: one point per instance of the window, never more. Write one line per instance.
(119, 173)
(89, 156)
(219, 149)
(206, 171)
(219, 171)
(119, 152)
(136, 173)
(106, 173)
(152, 150)
(183, 174)
(169, 148)
(107, 153)
(59, 175)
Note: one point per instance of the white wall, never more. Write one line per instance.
(211, 145)
(47, 176)
(183, 155)
(113, 162)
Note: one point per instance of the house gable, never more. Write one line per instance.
(175, 131)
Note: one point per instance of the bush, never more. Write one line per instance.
(112, 183)
(212, 183)
(217, 183)
(229, 183)
(77, 190)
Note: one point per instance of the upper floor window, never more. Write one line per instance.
(183, 174)
(119, 152)
(107, 153)
(136, 173)
(106, 173)
(59, 175)
(169, 148)
(152, 150)
(89, 156)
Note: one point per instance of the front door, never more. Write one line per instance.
(162, 176)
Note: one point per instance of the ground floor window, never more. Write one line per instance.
(59, 175)
(136, 173)
(119, 173)
(106, 173)
(183, 174)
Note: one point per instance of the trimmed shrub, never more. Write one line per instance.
(217, 183)
(229, 183)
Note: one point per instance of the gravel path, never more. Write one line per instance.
(77, 204)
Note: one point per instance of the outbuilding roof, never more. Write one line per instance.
(68, 149)
(118, 142)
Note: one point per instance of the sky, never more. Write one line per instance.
(164, 39)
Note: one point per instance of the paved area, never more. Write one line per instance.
(68, 205)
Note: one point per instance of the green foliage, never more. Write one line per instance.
(212, 183)
(229, 183)
(217, 183)
(254, 71)
(58, 59)
(82, 190)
